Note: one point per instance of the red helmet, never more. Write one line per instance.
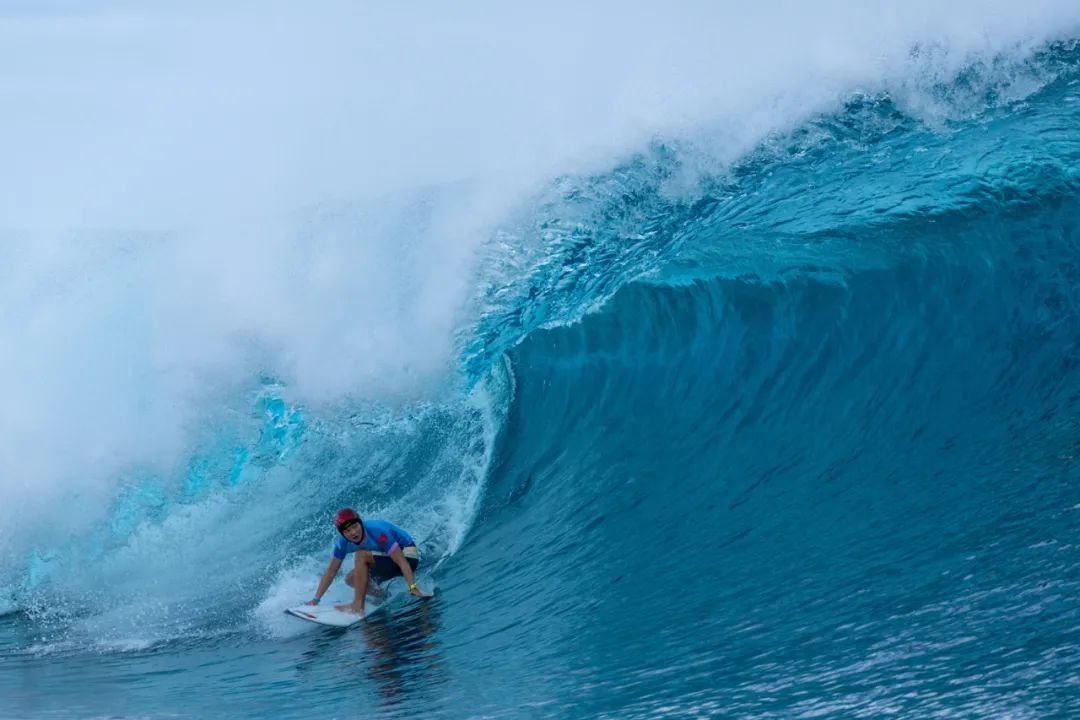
(344, 518)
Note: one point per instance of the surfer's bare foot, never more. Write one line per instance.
(350, 608)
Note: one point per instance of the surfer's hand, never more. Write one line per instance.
(350, 608)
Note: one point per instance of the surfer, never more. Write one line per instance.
(383, 551)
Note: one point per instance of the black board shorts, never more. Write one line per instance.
(385, 568)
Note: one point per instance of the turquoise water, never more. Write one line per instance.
(799, 441)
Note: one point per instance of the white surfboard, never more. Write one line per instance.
(327, 615)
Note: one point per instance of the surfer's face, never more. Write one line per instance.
(354, 533)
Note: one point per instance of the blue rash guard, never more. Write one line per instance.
(379, 536)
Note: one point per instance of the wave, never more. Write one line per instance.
(814, 450)
(672, 341)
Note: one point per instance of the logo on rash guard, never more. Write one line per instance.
(382, 539)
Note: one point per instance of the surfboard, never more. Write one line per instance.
(327, 615)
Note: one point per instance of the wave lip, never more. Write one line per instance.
(1002, 134)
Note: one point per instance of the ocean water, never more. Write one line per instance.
(768, 408)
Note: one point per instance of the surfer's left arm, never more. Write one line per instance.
(406, 570)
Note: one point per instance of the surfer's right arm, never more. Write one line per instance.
(327, 578)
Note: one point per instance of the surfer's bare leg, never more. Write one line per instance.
(373, 590)
(358, 579)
